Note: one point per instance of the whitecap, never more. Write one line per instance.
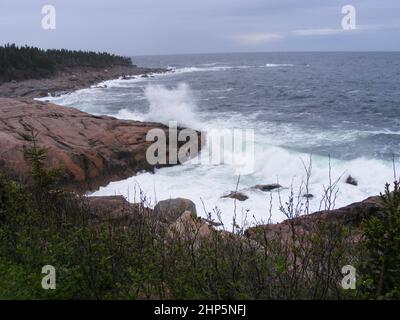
(273, 65)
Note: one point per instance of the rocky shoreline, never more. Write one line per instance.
(95, 150)
(90, 150)
(181, 214)
(70, 79)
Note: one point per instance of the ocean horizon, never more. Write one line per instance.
(337, 111)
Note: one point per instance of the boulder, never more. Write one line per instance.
(267, 187)
(352, 181)
(117, 210)
(350, 216)
(170, 210)
(191, 227)
(109, 207)
(236, 195)
(91, 150)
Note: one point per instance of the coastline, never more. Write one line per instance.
(58, 220)
(70, 79)
(91, 150)
(87, 150)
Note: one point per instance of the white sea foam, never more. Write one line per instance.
(126, 114)
(386, 131)
(205, 68)
(206, 183)
(171, 104)
(202, 69)
(221, 90)
(273, 65)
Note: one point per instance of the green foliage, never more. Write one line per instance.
(143, 260)
(97, 258)
(44, 180)
(381, 263)
(20, 63)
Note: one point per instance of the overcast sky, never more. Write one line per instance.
(136, 27)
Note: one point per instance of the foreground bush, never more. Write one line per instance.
(99, 260)
(381, 249)
(97, 257)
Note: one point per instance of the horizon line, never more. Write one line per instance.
(272, 51)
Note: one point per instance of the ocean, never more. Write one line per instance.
(341, 111)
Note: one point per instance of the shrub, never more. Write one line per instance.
(140, 257)
(381, 249)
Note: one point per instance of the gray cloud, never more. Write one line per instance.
(183, 26)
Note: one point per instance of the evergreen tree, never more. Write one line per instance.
(20, 63)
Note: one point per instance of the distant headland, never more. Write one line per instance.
(32, 72)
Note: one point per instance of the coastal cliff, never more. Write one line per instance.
(91, 150)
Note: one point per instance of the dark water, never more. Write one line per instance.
(342, 105)
(345, 104)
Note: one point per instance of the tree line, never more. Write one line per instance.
(25, 62)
